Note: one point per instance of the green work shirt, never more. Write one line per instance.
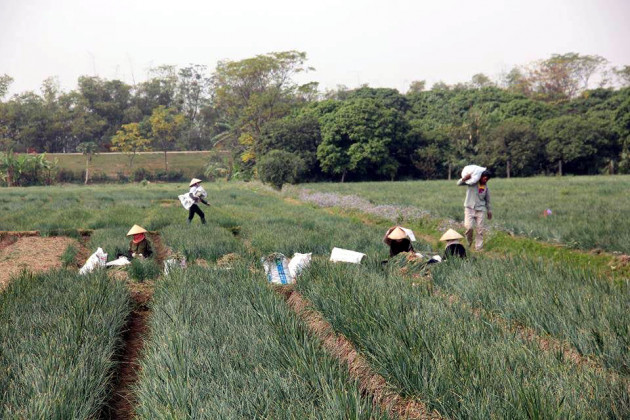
(476, 198)
(143, 247)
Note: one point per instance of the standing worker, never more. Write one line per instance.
(197, 193)
(476, 204)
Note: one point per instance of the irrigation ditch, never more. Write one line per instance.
(120, 405)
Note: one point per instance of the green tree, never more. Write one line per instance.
(512, 145)
(166, 125)
(5, 83)
(299, 134)
(360, 137)
(130, 141)
(88, 149)
(278, 167)
(571, 139)
(564, 76)
(252, 92)
(623, 75)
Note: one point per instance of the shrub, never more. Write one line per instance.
(122, 177)
(140, 174)
(278, 167)
(66, 175)
(169, 176)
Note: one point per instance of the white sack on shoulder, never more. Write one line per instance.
(345, 255)
(299, 262)
(475, 173)
(96, 260)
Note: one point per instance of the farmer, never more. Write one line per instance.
(139, 247)
(398, 241)
(476, 204)
(453, 247)
(197, 193)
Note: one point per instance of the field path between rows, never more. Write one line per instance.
(122, 400)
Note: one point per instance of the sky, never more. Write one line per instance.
(353, 42)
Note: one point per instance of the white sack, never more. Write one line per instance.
(475, 172)
(345, 255)
(277, 269)
(409, 233)
(172, 263)
(299, 262)
(186, 201)
(118, 262)
(96, 260)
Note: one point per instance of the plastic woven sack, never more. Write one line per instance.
(186, 201)
(299, 262)
(276, 267)
(345, 255)
(475, 172)
(96, 260)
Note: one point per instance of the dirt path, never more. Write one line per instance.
(122, 400)
(26, 251)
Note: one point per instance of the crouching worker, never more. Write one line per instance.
(197, 193)
(139, 247)
(398, 241)
(453, 247)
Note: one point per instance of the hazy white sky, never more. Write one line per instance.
(382, 43)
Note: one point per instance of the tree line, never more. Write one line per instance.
(569, 113)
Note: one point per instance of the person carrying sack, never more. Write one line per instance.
(476, 204)
(139, 247)
(198, 194)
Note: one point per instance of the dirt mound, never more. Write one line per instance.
(31, 253)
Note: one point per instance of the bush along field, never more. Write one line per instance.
(222, 343)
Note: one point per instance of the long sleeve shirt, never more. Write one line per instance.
(477, 196)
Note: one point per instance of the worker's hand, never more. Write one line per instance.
(467, 177)
(207, 204)
(133, 255)
(489, 215)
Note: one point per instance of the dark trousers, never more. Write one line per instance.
(195, 209)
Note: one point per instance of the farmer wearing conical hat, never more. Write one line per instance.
(139, 247)
(398, 240)
(453, 247)
(476, 205)
(197, 193)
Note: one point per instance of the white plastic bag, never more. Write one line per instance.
(475, 172)
(276, 267)
(345, 255)
(186, 200)
(96, 260)
(299, 262)
(174, 262)
(118, 262)
(409, 233)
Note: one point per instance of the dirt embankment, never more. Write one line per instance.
(21, 251)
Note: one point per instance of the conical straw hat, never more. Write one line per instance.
(135, 230)
(193, 182)
(397, 233)
(451, 235)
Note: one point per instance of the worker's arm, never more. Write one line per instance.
(488, 208)
(203, 201)
(463, 180)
